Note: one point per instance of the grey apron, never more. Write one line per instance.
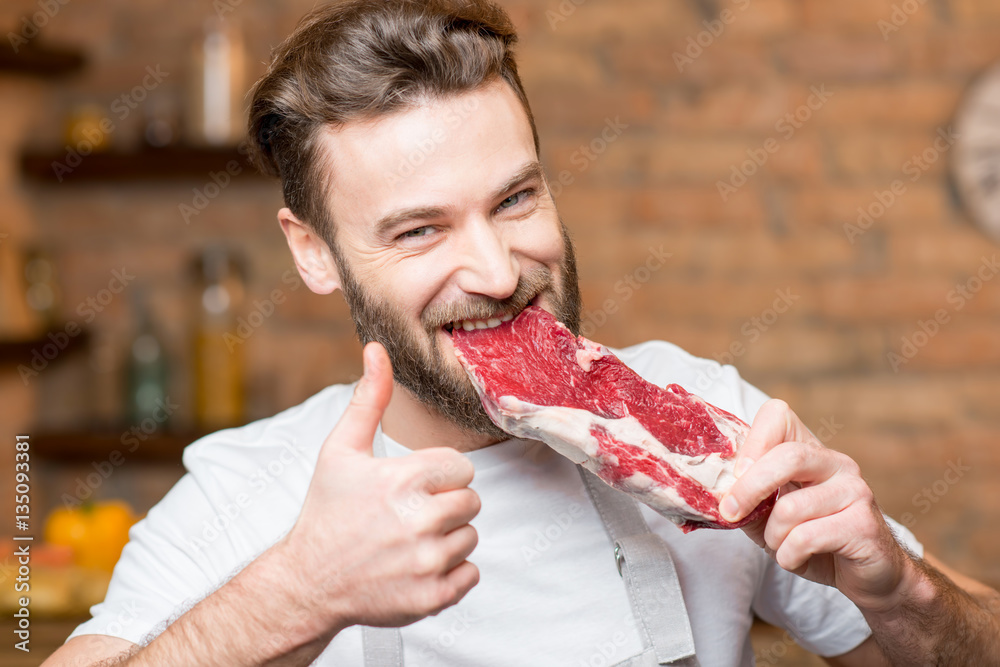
(643, 561)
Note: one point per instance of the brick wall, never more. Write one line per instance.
(673, 128)
(691, 121)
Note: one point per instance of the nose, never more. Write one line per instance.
(487, 264)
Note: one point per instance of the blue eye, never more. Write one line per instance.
(510, 201)
(515, 199)
(414, 233)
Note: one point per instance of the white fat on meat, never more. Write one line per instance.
(568, 431)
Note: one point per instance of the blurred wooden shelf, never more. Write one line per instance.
(97, 445)
(15, 352)
(146, 165)
(39, 59)
(47, 634)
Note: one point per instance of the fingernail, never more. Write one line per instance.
(743, 466)
(728, 508)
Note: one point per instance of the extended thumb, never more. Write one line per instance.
(356, 428)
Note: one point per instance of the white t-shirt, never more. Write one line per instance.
(549, 592)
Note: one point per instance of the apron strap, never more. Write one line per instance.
(648, 659)
(645, 564)
(383, 647)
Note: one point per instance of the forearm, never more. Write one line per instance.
(934, 622)
(256, 618)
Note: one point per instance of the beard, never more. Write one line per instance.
(419, 365)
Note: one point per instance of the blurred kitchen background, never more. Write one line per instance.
(772, 183)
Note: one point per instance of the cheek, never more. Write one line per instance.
(542, 243)
(412, 285)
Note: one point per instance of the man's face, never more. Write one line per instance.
(441, 215)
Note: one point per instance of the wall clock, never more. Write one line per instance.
(975, 163)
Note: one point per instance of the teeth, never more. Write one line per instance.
(471, 325)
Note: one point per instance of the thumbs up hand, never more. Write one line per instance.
(382, 541)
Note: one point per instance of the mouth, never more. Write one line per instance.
(490, 322)
(469, 325)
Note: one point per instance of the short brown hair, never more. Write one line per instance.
(361, 59)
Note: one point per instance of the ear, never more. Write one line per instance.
(312, 256)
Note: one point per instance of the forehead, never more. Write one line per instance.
(447, 152)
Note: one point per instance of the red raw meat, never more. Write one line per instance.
(665, 447)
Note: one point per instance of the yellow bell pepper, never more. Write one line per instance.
(97, 532)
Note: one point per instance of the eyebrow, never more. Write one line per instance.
(388, 222)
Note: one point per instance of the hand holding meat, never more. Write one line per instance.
(665, 447)
(382, 541)
(825, 525)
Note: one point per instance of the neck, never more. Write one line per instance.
(414, 425)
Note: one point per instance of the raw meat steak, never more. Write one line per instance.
(665, 447)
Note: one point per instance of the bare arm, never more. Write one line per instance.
(259, 617)
(827, 527)
(92, 651)
(984, 608)
(353, 557)
(935, 621)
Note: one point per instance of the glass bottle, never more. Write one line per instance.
(216, 86)
(42, 293)
(218, 367)
(147, 371)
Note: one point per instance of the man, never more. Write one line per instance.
(409, 164)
